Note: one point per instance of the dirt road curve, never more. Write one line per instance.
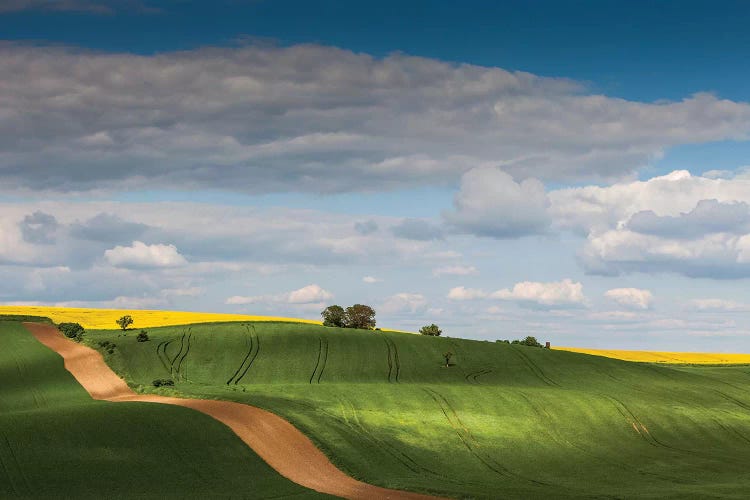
(274, 439)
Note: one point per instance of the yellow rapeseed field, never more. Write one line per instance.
(697, 358)
(105, 318)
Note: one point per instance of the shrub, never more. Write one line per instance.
(529, 341)
(124, 322)
(432, 330)
(71, 330)
(163, 382)
(107, 346)
(142, 337)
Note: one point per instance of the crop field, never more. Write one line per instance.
(56, 442)
(501, 421)
(692, 358)
(105, 318)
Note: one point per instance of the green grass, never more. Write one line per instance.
(504, 420)
(56, 442)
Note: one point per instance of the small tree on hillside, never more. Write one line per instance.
(334, 316)
(447, 356)
(432, 330)
(124, 322)
(360, 316)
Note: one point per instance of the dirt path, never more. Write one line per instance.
(274, 439)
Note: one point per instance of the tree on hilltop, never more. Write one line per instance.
(360, 316)
(334, 316)
(432, 330)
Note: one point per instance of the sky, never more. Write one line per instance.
(576, 171)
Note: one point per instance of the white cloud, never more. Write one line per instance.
(490, 203)
(462, 293)
(634, 298)
(403, 303)
(454, 270)
(718, 305)
(310, 294)
(271, 118)
(371, 279)
(563, 293)
(140, 255)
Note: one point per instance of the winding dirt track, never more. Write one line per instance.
(274, 439)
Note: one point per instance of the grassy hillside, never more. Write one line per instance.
(503, 420)
(56, 442)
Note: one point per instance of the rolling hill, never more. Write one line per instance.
(501, 421)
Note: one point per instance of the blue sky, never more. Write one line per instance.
(570, 170)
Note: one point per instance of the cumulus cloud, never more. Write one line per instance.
(108, 228)
(417, 229)
(310, 294)
(490, 203)
(634, 298)
(141, 255)
(454, 270)
(371, 279)
(550, 295)
(463, 293)
(691, 225)
(321, 119)
(39, 228)
(403, 303)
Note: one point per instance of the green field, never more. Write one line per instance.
(502, 421)
(56, 442)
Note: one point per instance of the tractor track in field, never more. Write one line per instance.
(473, 377)
(320, 364)
(161, 353)
(394, 364)
(175, 364)
(471, 444)
(275, 440)
(555, 435)
(534, 368)
(252, 353)
(734, 400)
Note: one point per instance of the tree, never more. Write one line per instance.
(447, 355)
(334, 316)
(432, 330)
(529, 341)
(142, 337)
(125, 322)
(360, 316)
(71, 330)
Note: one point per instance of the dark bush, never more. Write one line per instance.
(107, 346)
(142, 337)
(71, 330)
(163, 382)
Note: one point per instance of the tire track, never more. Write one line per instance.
(179, 372)
(252, 353)
(534, 368)
(161, 353)
(320, 364)
(473, 377)
(464, 434)
(394, 364)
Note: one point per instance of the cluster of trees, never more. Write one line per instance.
(357, 316)
(432, 330)
(529, 341)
